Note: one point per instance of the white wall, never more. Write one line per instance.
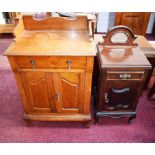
(102, 22)
(2, 20)
(151, 22)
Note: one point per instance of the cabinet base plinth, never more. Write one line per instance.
(132, 115)
(87, 124)
(56, 117)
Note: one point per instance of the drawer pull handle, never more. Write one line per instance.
(106, 97)
(69, 62)
(125, 76)
(33, 63)
(57, 97)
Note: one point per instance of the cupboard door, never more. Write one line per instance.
(69, 92)
(121, 95)
(36, 85)
(134, 20)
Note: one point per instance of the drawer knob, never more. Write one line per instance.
(125, 76)
(57, 97)
(33, 63)
(106, 97)
(69, 62)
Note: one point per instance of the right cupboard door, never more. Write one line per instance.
(69, 92)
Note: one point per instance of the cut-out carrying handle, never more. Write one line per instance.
(119, 91)
(120, 29)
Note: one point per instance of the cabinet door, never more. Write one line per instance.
(121, 95)
(134, 20)
(69, 92)
(38, 91)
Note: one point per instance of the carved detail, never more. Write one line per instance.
(113, 102)
(68, 82)
(120, 29)
(125, 76)
(39, 94)
(69, 100)
(41, 79)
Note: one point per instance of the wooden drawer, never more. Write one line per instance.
(68, 62)
(124, 75)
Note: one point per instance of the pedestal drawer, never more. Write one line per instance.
(68, 62)
(125, 75)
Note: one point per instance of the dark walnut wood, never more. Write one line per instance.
(116, 31)
(122, 70)
(137, 21)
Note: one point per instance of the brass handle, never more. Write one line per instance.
(33, 63)
(57, 97)
(125, 76)
(69, 62)
(106, 97)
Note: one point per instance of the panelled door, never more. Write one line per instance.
(120, 95)
(39, 91)
(69, 92)
(137, 21)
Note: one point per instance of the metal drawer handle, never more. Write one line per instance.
(106, 97)
(69, 62)
(57, 96)
(33, 63)
(125, 76)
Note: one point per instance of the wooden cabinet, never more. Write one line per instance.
(137, 21)
(54, 94)
(122, 71)
(52, 74)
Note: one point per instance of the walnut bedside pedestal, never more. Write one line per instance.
(122, 71)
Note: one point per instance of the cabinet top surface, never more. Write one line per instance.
(52, 42)
(122, 57)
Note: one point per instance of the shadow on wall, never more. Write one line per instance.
(153, 31)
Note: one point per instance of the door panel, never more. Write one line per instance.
(137, 21)
(36, 88)
(70, 89)
(70, 97)
(120, 95)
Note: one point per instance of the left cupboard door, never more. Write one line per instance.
(39, 91)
